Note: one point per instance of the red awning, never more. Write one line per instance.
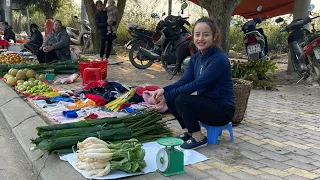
(271, 8)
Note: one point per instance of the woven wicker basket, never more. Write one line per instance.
(242, 89)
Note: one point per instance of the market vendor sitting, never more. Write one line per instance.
(209, 74)
(56, 46)
(36, 39)
(8, 32)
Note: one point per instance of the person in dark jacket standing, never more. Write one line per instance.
(209, 74)
(56, 46)
(36, 39)
(8, 32)
(101, 19)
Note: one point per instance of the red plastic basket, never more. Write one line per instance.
(103, 65)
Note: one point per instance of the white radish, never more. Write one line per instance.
(95, 140)
(106, 170)
(105, 156)
(94, 172)
(97, 146)
(92, 166)
(100, 150)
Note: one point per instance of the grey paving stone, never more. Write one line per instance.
(251, 155)
(251, 163)
(295, 177)
(300, 165)
(274, 156)
(269, 177)
(220, 175)
(274, 164)
(195, 173)
(250, 147)
(303, 159)
(244, 175)
(298, 151)
(278, 150)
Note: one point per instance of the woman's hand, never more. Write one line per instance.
(161, 101)
(155, 97)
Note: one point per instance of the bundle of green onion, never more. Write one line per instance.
(146, 126)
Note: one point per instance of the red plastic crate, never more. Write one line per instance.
(103, 65)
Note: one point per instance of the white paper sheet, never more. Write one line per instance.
(151, 148)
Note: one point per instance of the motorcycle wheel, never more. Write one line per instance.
(296, 65)
(139, 57)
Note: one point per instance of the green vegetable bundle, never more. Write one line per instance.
(146, 126)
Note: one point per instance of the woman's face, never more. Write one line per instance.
(56, 26)
(203, 36)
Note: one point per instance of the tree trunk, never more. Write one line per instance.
(91, 10)
(121, 6)
(300, 10)
(221, 11)
(49, 12)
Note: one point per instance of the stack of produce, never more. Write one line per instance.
(63, 67)
(33, 87)
(20, 76)
(98, 158)
(146, 126)
(12, 59)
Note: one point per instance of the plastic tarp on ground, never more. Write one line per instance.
(271, 8)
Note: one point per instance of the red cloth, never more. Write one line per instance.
(100, 101)
(91, 116)
(95, 84)
(4, 44)
(124, 106)
(140, 89)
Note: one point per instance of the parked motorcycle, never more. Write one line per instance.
(169, 44)
(142, 38)
(304, 47)
(80, 37)
(254, 38)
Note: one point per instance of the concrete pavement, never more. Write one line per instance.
(280, 139)
(15, 165)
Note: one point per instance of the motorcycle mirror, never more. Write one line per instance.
(234, 22)
(154, 15)
(184, 6)
(279, 20)
(259, 8)
(311, 7)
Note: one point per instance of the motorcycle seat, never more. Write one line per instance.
(145, 32)
(75, 31)
(134, 27)
(255, 33)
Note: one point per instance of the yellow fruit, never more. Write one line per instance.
(14, 72)
(11, 81)
(42, 77)
(31, 74)
(21, 75)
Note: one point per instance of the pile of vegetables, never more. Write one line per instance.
(146, 126)
(63, 67)
(12, 59)
(98, 158)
